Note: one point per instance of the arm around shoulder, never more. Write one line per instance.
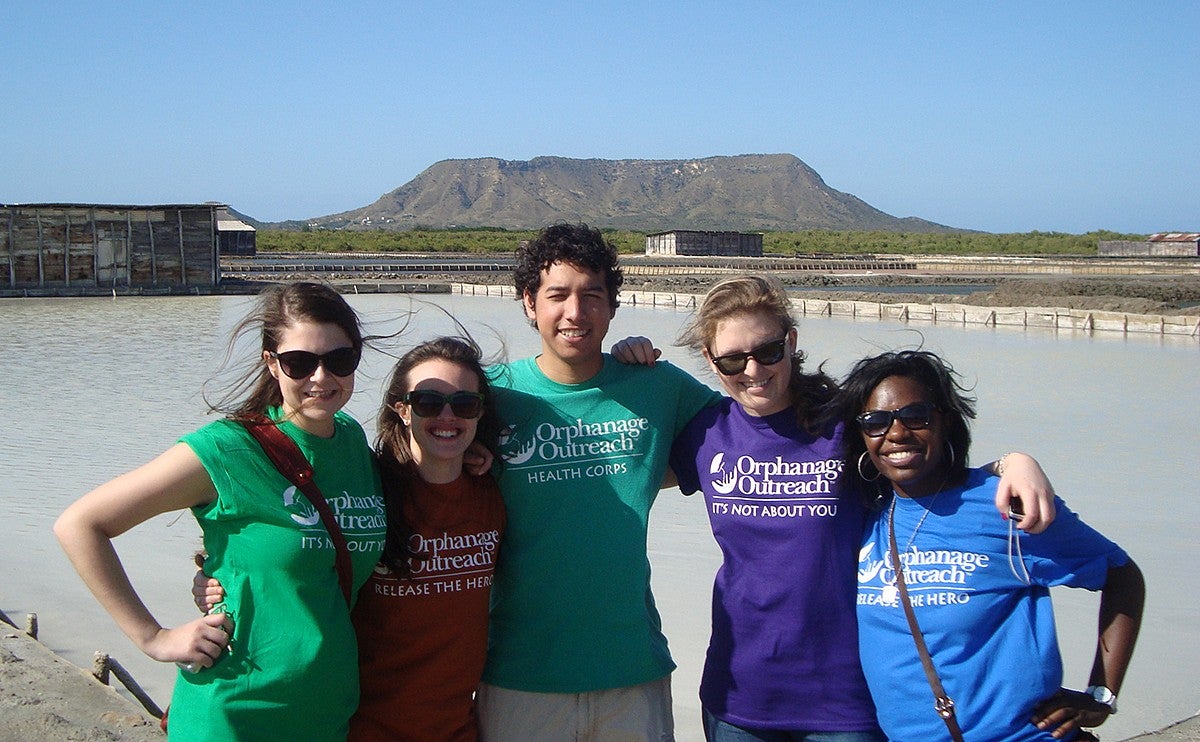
(1024, 493)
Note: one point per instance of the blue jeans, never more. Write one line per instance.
(716, 730)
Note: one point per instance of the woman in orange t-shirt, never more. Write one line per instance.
(422, 617)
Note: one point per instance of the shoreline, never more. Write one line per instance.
(948, 312)
(46, 697)
(1085, 312)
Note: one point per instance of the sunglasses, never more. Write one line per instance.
(916, 416)
(767, 354)
(428, 403)
(300, 364)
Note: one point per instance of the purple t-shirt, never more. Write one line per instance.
(784, 646)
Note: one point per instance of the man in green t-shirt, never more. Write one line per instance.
(576, 648)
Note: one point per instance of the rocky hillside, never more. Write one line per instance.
(745, 192)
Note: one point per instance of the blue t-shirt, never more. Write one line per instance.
(985, 615)
(572, 610)
(784, 647)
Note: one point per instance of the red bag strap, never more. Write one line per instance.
(289, 460)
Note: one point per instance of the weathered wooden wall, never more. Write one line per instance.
(691, 242)
(79, 245)
(1160, 249)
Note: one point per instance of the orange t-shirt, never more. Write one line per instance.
(422, 639)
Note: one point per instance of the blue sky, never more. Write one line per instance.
(998, 116)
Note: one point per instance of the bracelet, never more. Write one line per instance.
(1000, 464)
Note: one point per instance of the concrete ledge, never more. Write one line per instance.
(1187, 730)
(1058, 318)
(42, 696)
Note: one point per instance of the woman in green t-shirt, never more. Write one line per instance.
(277, 658)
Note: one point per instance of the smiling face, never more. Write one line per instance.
(311, 402)
(438, 443)
(571, 311)
(760, 389)
(912, 459)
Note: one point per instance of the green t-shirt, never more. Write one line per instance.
(292, 668)
(572, 610)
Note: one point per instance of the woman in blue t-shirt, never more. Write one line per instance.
(782, 661)
(976, 590)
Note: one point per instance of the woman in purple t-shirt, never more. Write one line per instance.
(782, 661)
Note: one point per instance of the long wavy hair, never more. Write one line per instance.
(276, 309)
(811, 394)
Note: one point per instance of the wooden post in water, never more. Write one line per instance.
(102, 664)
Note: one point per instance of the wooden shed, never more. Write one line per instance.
(235, 237)
(696, 242)
(68, 246)
(1160, 245)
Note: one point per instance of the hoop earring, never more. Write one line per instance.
(863, 474)
(950, 446)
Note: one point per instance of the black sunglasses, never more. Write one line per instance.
(916, 416)
(428, 403)
(300, 364)
(767, 354)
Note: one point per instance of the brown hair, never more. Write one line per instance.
(276, 309)
(393, 442)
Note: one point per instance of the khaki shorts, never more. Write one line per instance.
(637, 713)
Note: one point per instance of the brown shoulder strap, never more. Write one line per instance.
(289, 460)
(942, 703)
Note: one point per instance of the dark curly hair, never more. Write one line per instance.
(578, 244)
(928, 370)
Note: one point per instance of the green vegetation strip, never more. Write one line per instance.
(811, 242)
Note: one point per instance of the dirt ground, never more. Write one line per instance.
(1169, 295)
(1173, 295)
(44, 697)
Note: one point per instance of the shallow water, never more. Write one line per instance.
(98, 386)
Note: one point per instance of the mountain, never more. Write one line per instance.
(743, 193)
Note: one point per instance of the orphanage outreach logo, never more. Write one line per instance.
(935, 577)
(577, 450)
(354, 515)
(773, 488)
(447, 563)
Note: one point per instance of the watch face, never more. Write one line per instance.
(1105, 696)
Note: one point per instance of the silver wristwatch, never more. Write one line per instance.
(1103, 695)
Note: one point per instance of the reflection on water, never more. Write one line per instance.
(98, 386)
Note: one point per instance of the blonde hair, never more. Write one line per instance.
(810, 395)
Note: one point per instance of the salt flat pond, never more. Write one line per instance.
(95, 387)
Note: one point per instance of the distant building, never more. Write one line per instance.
(53, 246)
(1161, 245)
(693, 242)
(235, 237)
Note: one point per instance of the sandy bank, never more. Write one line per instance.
(44, 697)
